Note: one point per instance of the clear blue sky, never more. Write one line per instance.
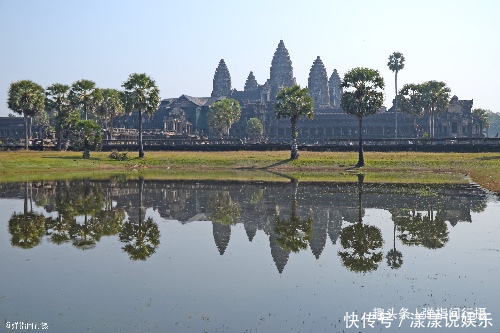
(179, 43)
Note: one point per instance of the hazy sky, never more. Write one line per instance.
(179, 43)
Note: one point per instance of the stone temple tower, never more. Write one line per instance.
(222, 81)
(251, 84)
(318, 85)
(281, 70)
(335, 92)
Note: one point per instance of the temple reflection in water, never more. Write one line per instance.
(295, 216)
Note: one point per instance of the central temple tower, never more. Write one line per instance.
(281, 70)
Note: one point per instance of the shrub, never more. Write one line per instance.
(116, 155)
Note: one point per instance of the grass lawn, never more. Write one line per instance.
(395, 167)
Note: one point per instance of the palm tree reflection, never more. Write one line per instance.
(293, 234)
(27, 228)
(418, 229)
(361, 243)
(142, 238)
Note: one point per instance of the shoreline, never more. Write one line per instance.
(381, 167)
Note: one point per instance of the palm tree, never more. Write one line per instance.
(362, 95)
(294, 103)
(412, 103)
(395, 64)
(91, 134)
(435, 97)
(26, 98)
(481, 119)
(141, 94)
(111, 106)
(84, 94)
(57, 100)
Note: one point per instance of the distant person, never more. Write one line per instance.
(496, 136)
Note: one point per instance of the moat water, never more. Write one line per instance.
(172, 256)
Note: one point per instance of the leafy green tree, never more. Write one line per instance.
(42, 120)
(84, 94)
(481, 120)
(57, 101)
(435, 97)
(222, 115)
(141, 94)
(90, 134)
(27, 99)
(254, 128)
(494, 122)
(294, 103)
(111, 106)
(395, 64)
(411, 102)
(362, 95)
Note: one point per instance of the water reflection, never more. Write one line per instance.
(294, 218)
(361, 243)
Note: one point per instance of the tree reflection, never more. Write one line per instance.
(394, 257)
(223, 209)
(142, 238)
(423, 230)
(27, 228)
(224, 213)
(361, 243)
(88, 201)
(293, 234)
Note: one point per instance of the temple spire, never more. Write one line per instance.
(222, 81)
(335, 92)
(281, 71)
(318, 84)
(251, 84)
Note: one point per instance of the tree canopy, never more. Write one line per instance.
(222, 115)
(27, 99)
(110, 107)
(294, 103)
(254, 127)
(435, 98)
(481, 120)
(84, 94)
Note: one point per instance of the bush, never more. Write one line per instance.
(116, 155)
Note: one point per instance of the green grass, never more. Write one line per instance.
(399, 167)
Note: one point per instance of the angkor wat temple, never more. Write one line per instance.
(187, 115)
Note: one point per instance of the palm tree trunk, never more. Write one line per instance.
(361, 179)
(430, 124)
(396, 103)
(141, 148)
(295, 149)
(59, 139)
(361, 159)
(25, 131)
